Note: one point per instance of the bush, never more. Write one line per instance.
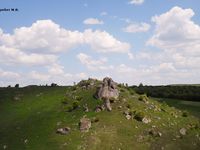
(78, 98)
(143, 98)
(69, 108)
(185, 114)
(75, 104)
(122, 90)
(139, 116)
(16, 85)
(53, 85)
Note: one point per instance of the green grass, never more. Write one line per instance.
(190, 106)
(39, 112)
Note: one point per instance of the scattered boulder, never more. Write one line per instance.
(100, 108)
(128, 117)
(155, 133)
(146, 120)
(126, 112)
(5, 147)
(63, 131)
(97, 109)
(183, 131)
(119, 107)
(85, 124)
(85, 107)
(108, 91)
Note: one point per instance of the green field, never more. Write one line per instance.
(30, 116)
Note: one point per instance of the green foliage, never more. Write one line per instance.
(186, 92)
(78, 98)
(122, 90)
(139, 115)
(185, 114)
(143, 98)
(69, 108)
(75, 104)
(16, 85)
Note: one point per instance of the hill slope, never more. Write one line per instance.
(30, 117)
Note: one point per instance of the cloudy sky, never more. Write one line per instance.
(149, 41)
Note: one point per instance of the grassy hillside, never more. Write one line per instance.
(191, 106)
(30, 117)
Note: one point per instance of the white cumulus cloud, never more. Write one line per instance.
(93, 21)
(93, 64)
(137, 27)
(136, 2)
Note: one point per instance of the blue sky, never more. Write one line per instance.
(132, 41)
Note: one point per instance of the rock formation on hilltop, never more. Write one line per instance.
(108, 91)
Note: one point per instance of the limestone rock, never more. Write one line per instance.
(108, 91)
(85, 124)
(63, 131)
(146, 120)
(128, 117)
(183, 131)
(85, 107)
(155, 133)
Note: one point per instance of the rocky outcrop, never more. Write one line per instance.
(108, 91)
(85, 124)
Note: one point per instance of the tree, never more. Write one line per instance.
(16, 85)
(140, 85)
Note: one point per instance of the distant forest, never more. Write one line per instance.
(183, 92)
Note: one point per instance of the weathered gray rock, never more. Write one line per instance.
(85, 124)
(108, 91)
(146, 120)
(63, 131)
(183, 131)
(128, 117)
(107, 104)
(155, 133)
(98, 109)
(85, 107)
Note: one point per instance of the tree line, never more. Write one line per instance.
(184, 92)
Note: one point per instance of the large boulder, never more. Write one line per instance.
(85, 124)
(108, 91)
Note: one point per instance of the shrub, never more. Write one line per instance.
(75, 104)
(69, 108)
(122, 90)
(53, 84)
(78, 98)
(185, 114)
(143, 98)
(16, 85)
(139, 116)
